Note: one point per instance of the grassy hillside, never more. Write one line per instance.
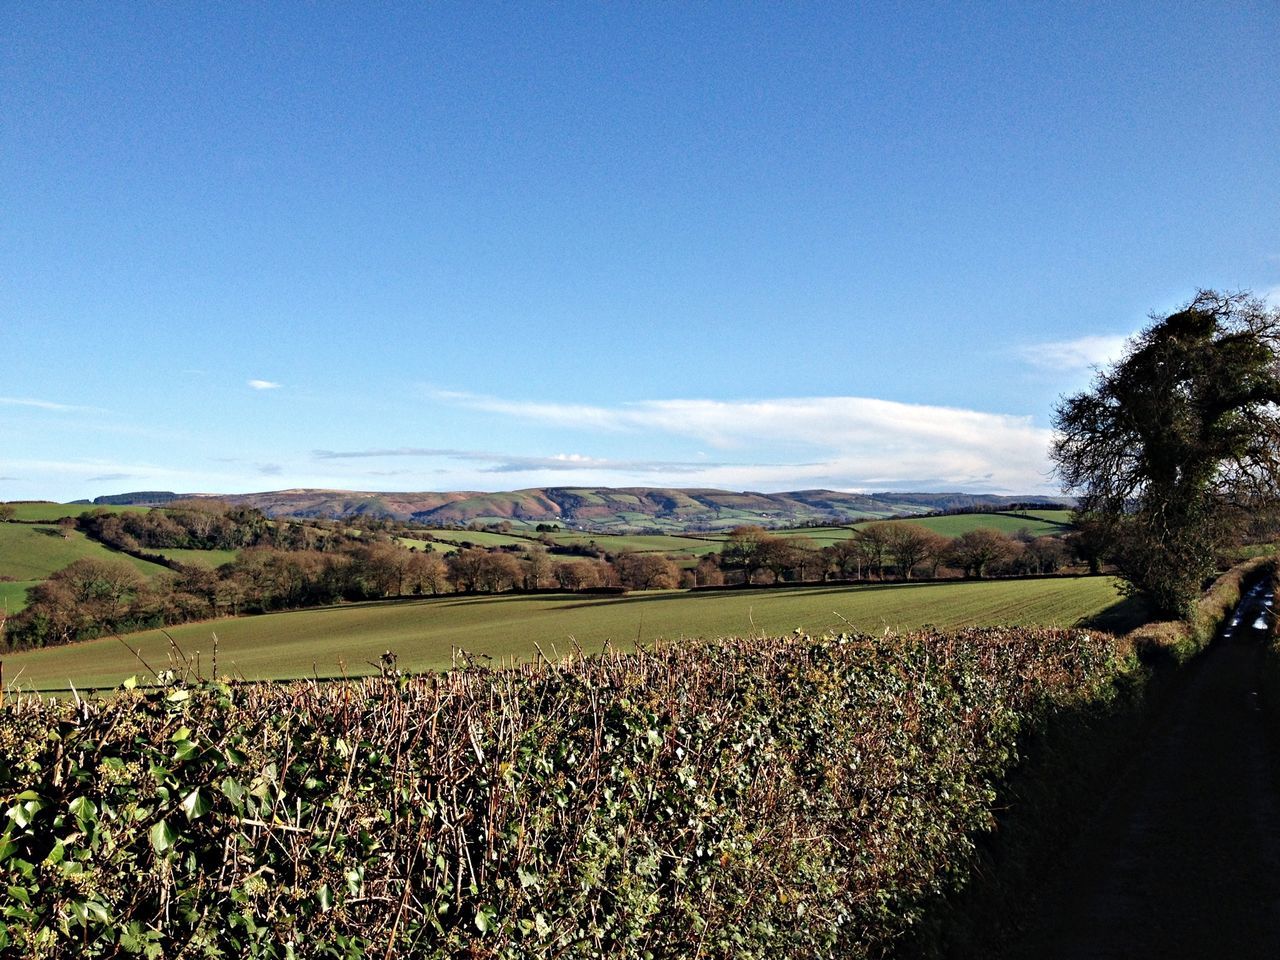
(424, 633)
(1039, 522)
(479, 538)
(640, 543)
(961, 523)
(43, 510)
(197, 558)
(32, 552)
(13, 594)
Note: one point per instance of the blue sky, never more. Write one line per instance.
(474, 246)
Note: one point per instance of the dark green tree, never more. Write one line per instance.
(1178, 442)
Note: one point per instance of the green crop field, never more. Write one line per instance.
(1053, 516)
(32, 552)
(1039, 522)
(13, 595)
(517, 525)
(641, 543)
(821, 536)
(433, 546)
(197, 558)
(957, 524)
(480, 538)
(42, 510)
(425, 632)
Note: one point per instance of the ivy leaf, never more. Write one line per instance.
(83, 809)
(232, 789)
(163, 837)
(196, 804)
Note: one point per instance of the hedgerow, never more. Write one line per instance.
(747, 798)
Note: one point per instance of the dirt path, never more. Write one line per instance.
(1185, 859)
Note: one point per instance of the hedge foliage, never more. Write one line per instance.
(1182, 640)
(746, 798)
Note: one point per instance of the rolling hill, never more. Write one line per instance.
(612, 509)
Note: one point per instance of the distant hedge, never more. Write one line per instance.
(748, 798)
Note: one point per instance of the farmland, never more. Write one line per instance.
(955, 525)
(33, 552)
(13, 594)
(45, 510)
(479, 538)
(424, 633)
(198, 558)
(1038, 523)
(676, 546)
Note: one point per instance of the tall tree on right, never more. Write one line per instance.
(1177, 442)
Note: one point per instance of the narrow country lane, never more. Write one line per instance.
(1184, 861)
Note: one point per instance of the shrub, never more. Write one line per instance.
(746, 798)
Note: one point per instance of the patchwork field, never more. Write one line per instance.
(13, 594)
(1039, 522)
(424, 633)
(642, 543)
(955, 525)
(480, 538)
(198, 558)
(32, 552)
(42, 510)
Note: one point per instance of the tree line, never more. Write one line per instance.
(891, 549)
(91, 597)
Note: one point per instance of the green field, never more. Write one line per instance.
(32, 552)
(41, 510)
(479, 538)
(197, 558)
(432, 546)
(1039, 522)
(1053, 516)
(424, 632)
(642, 543)
(13, 595)
(955, 525)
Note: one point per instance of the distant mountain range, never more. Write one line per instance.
(603, 508)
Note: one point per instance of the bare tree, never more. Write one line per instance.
(976, 551)
(908, 543)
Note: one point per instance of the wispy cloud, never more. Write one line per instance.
(521, 463)
(575, 462)
(108, 477)
(46, 405)
(270, 469)
(265, 385)
(386, 452)
(1271, 296)
(1082, 353)
(851, 442)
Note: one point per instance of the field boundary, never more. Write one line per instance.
(1068, 770)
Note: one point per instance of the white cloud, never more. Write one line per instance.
(848, 442)
(1271, 297)
(1079, 354)
(45, 405)
(523, 463)
(264, 385)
